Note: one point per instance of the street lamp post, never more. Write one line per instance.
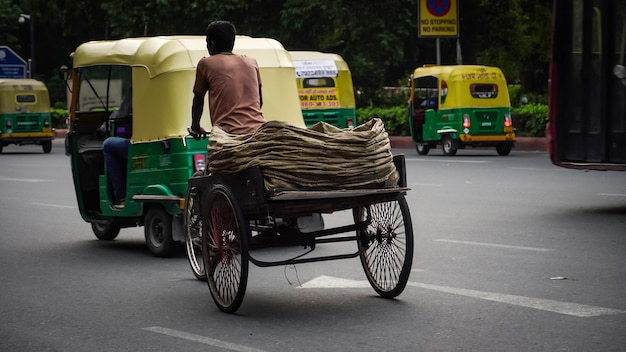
(31, 21)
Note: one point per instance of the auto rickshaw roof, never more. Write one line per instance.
(318, 55)
(10, 84)
(459, 71)
(173, 53)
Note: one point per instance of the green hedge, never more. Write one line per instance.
(394, 118)
(59, 115)
(530, 120)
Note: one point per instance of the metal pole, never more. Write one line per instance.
(438, 53)
(32, 46)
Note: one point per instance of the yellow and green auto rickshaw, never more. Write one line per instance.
(460, 106)
(325, 88)
(161, 72)
(25, 113)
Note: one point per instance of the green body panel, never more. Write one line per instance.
(153, 169)
(26, 127)
(336, 117)
(484, 122)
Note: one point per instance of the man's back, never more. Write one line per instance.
(233, 83)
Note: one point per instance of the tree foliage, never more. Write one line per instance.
(378, 39)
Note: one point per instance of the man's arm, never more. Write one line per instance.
(196, 111)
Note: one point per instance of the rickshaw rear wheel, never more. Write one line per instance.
(447, 145)
(105, 231)
(422, 148)
(504, 149)
(193, 237)
(225, 249)
(386, 245)
(46, 146)
(158, 232)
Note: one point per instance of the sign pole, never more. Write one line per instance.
(438, 19)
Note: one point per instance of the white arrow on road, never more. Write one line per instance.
(567, 308)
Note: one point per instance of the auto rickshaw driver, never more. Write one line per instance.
(115, 150)
(233, 82)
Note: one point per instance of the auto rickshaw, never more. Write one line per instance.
(325, 88)
(25, 113)
(161, 72)
(459, 106)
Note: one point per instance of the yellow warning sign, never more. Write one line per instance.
(438, 18)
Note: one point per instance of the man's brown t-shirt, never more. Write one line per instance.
(233, 83)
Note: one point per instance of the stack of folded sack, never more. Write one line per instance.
(322, 157)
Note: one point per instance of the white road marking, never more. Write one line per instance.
(33, 180)
(566, 308)
(613, 194)
(202, 339)
(536, 249)
(54, 205)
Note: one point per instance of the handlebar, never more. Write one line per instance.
(195, 135)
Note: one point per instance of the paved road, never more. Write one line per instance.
(512, 254)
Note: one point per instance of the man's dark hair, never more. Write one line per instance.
(222, 33)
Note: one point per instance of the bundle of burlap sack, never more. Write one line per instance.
(322, 157)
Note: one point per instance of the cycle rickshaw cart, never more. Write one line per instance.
(229, 216)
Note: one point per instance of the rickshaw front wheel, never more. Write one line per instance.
(106, 230)
(158, 232)
(193, 237)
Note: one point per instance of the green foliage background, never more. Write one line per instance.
(378, 39)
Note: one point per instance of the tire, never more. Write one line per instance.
(46, 146)
(193, 236)
(504, 149)
(447, 145)
(386, 245)
(422, 149)
(158, 232)
(225, 249)
(105, 231)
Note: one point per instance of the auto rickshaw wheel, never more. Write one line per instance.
(225, 249)
(504, 149)
(46, 146)
(193, 237)
(447, 145)
(422, 148)
(105, 230)
(386, 245)
(158, 232)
